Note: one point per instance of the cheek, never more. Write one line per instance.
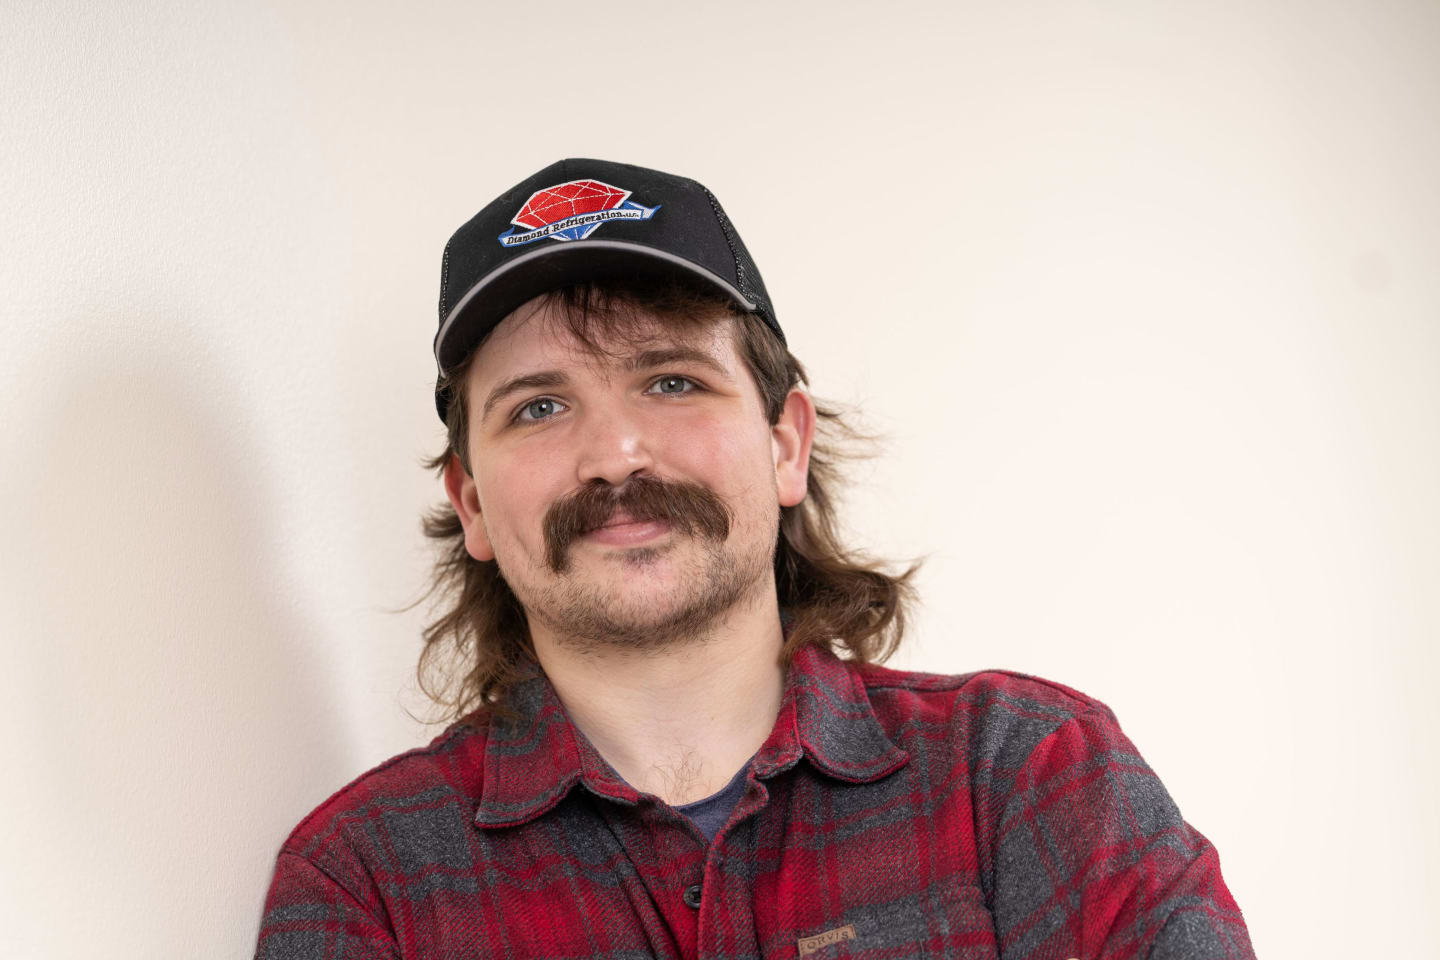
(513, 504)
(730, 459)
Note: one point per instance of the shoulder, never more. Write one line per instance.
(999, 714)
(984, 690)
(441, 780)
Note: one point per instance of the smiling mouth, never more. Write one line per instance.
(623, 532)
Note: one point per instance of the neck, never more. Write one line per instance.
(677, 722)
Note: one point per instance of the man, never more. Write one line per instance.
(659, 749)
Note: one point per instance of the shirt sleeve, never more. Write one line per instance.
(1094, 861)
(310, 916)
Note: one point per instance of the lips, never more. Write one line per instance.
(623, 531)
(619, 518)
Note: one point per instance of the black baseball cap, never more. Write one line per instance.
(586, 220)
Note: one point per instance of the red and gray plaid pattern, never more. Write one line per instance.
(890, 814)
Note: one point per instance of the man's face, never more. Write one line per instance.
(630, 498)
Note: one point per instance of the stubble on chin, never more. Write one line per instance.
(592, 618)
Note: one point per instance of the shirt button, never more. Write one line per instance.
(692, 896)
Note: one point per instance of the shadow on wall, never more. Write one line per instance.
(173, 718)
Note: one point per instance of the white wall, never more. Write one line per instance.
(1144, 293)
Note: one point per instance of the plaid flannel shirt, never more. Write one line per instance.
(889, 814)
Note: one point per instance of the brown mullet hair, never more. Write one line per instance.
(833, 597)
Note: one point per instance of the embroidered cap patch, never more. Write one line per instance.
(572, 211)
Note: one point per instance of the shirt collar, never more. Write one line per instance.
(825, 716)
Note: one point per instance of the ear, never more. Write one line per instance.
(465, 498)
(790, 439)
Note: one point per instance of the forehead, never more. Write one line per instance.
(539, 336)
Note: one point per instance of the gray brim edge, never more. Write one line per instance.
(555, 255)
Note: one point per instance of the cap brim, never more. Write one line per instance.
(551, 266)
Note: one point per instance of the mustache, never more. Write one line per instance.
(688, 507)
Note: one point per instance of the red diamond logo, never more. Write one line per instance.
(566, 200)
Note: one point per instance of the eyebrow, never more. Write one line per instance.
(644, 360)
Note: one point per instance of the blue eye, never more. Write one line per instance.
(543, 407)
(673, 379)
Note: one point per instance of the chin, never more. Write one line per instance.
(643, 613)
(647, 596)
(649, 599)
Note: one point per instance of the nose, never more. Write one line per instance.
(613, 448)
